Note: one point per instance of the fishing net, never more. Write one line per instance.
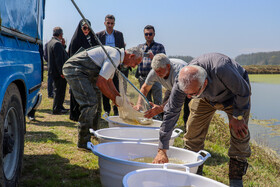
(130, 97)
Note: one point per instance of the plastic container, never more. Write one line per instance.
(137, 134)
(156, 177)
(115, 159)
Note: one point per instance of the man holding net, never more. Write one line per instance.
(91, 71)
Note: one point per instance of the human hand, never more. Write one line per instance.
(155, 110)
(138, 107)
(239, 127)
(161, 157)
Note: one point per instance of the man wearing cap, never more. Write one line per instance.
(214, 82)
(57, 56)
(89, 72)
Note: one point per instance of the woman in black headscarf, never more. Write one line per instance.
(85, 39)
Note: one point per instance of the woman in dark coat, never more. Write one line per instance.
(85, 39)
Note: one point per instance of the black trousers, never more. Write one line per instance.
(59, 85)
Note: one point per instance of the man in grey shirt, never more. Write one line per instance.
(164, 71)
(214, 82)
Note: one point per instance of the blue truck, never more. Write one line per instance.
(21, 32)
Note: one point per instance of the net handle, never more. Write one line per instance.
(98, 41)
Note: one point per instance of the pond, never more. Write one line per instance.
(264, 123)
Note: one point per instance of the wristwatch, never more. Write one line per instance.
(238, 117)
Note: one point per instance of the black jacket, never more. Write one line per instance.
(57, 56)
(119, 41)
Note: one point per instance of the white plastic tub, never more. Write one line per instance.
(114, 159)
(137, 134)
(116, 121)
(156, 177)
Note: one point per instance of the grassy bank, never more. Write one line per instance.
(52, 159)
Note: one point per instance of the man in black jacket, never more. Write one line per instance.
(112, 38)
(57, 56)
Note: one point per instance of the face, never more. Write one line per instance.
(85, 29)
(109, 24)
(195, 89)
(149, 35)
(162, 72)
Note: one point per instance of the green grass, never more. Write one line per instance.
(265, 78)
(51, 157)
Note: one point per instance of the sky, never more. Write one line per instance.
(184, 27)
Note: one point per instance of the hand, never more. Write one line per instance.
(239, 127)
(119, 101)
(155, 110)
(138, 107)
(161, 157)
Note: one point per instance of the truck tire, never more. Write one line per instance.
(12, 136)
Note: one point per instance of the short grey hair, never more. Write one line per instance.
(187, 76)
(137, 51)
(57, 31)
(160, 61)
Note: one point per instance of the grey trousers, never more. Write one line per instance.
(81, 74)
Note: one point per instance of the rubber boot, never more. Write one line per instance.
(236, 170)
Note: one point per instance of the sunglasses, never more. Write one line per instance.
(149, 34)
(85, 28)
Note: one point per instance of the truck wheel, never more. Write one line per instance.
(12, 132)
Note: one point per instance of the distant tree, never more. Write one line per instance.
(262, 58)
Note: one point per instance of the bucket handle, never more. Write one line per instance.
(93, 132)
(207, 155)
(176, 167)
(91, 147)
(178, 131)
(105, 116)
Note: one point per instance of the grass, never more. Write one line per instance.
(51, 157)
(265, 78)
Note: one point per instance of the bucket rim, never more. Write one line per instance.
(134, 163)
(98, 134)
(206, 179)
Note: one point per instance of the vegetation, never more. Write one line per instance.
(265, 78)
(51, 157)
(262, 69)
(263, 58)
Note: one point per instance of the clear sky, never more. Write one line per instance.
(184, 27)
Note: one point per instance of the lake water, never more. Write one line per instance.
(265, 103)
(265, 106)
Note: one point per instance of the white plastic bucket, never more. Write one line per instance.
(137, 134)
(114, 159)
(116, 121)
(156, 177)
